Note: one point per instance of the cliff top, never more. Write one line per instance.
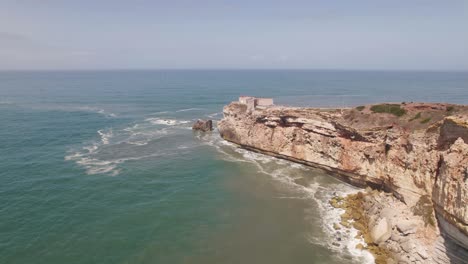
(409, 116)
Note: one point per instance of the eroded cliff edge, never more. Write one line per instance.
(418, 153)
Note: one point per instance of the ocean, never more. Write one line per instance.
(103, 167)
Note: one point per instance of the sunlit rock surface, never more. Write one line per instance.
(422, 153)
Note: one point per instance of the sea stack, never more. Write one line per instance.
(415, 152)
(203, 125)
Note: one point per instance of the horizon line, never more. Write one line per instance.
(227, 69)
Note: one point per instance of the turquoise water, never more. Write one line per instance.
(102, 167)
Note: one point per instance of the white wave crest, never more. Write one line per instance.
(96, 158)
(92, 109)
(158, 113)
(189, 109)
(167, 122)
(94, 165)
(213, 115)
(286, 173)
(339, 240)
(105, 136)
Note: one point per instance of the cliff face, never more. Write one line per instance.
(422, 154)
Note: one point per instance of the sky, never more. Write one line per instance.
(241, 34)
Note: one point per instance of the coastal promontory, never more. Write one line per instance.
(412, 156)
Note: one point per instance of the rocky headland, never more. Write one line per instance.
(412, 156)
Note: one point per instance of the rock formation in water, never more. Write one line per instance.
(203, 125)
(416, 151)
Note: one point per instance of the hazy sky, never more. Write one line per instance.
(322, 34)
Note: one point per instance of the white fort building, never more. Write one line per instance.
(253, 102)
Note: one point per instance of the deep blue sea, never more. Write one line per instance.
(102, 166)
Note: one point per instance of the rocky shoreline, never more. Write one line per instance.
(417, 153)
(392, 232)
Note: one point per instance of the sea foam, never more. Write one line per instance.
(105, 136)
(189, 109)
(167, 122)
(321, 195)
(96, 157)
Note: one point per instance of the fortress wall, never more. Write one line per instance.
(264, 101)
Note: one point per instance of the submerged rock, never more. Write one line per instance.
(203, 125)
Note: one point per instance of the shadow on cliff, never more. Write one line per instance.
(446, 250)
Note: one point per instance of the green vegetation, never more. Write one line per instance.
(354, 216)
(360, 108)
(425, 120)
(393, 109)
(424, 208)
(450, 108)
(417, 116)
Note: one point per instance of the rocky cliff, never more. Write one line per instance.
(416, 151)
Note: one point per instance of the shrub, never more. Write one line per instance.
(425, 120)
(424, 208)
(450, 108)
(360, 108)
(393, 109)
(417, 116)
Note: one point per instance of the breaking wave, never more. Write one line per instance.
(292, 175)
(166, 122)
(338, 240)
(94, 165)
(116, 146)
(91, 164)
(215, 115)
(140, 141)
(93, 110)
(105, 136)
(189, 109)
